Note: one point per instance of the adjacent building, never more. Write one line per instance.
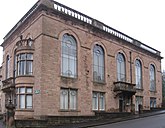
(0, 91)
(60, 62)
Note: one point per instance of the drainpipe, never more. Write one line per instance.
(130, 53)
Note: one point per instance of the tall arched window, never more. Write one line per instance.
(152, 78)
(98, 64)
(138, 74)
(7, 66)
(121, 71)
(69, 56)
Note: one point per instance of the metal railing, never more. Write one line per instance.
(124, 87)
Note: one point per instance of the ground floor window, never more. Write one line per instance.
(152, 102)
(24, 98)
(68, 99)
(139, 101)
(98, 101)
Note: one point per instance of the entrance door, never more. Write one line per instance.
(120, 105)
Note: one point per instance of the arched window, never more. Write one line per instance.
(138, 74)
(152, 78)
(69, 56)
(121, 71)
(98, 64)
(7, 66)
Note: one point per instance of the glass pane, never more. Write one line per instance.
(22, 101)
(64, 99)
(73, 99)
(23, 56)
(22, 90)
(29, 69)
(29, 56)
(22, 68)
(29, 90)
(95, 101)
(102, 102)
(29, 101)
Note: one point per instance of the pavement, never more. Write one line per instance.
(111, 120)
(1, 124)
(103, 122)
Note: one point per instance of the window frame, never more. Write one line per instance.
(69, 53)
(138, 74)
(65, 103)
(152, 78)
(24, 95)
(23, 64)
(121, 63)
(7, 66)
(97, 98)
(98, 64)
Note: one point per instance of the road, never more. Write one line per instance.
(157, 121)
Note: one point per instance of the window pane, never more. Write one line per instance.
(23, 56)
(102, 101)
(29, 56)
(73, 99)
(29, 69)
(29, 90)
(7, 66)
(22, 68)
(95, 101)
(22, 101)
(64, 99)
(22, 90)
(29, 101)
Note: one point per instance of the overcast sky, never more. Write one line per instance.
(141, 19)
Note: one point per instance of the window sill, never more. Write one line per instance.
(24, 76)
(153, 91)
(62, 110)
(139, 89)
(98, 111)
(99, 83)
(26, 110)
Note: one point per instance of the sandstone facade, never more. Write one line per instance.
(37, 92)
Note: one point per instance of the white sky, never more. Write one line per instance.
(141, 19)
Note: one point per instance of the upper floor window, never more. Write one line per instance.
(98, 64)
(152, 78)
(138, 74)
(121, 71)
(69, 56)
(7, 66)
(25, 64)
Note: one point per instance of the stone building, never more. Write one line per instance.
(60, 62)
(0, 90)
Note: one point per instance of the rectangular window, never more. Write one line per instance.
(68, 99)
(139, 101)
(25, 64)
(98, 101)
(152, 102)
(24, 98)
